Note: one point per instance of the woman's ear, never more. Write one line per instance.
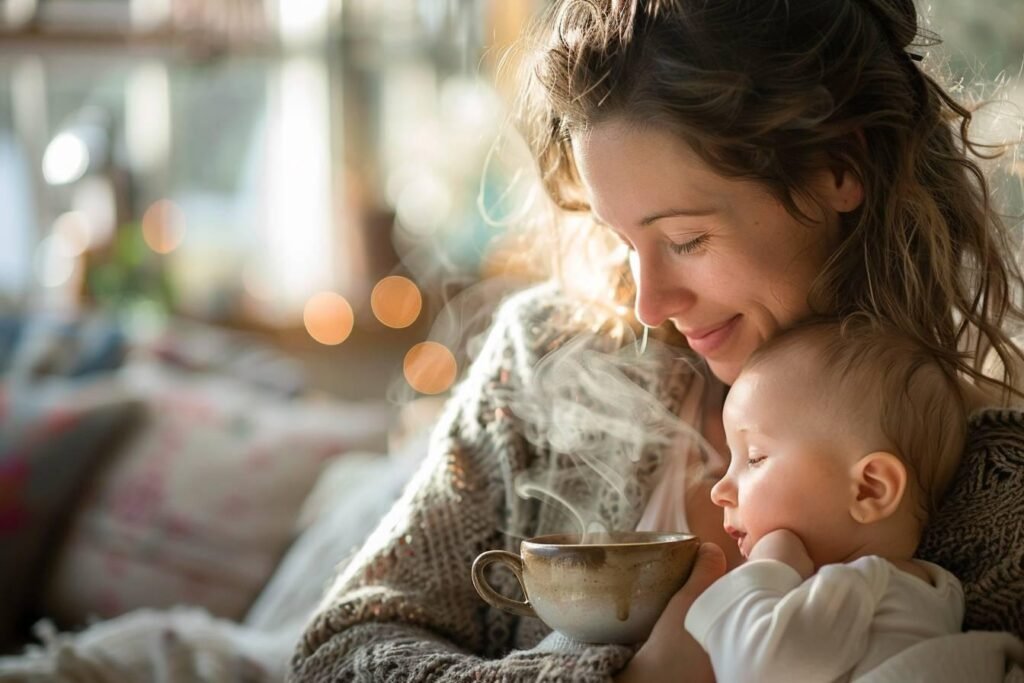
(879, 481)
(841, 189)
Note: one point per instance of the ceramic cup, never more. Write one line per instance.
(610, 589)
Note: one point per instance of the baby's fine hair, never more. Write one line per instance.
(877, 375)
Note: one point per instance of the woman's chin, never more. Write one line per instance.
(725, 369)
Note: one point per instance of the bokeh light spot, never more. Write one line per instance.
(54, 261)
(73, 229)
(429, 368)
(328, 318)
(396, 301)
(65, 160)
(163, 226)
(424, 204)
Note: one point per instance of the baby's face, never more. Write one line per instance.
(791, 461)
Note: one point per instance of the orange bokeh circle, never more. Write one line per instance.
(163, 226)
(328, 318)
(429, 368)
(396, 301)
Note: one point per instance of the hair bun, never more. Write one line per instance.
(898, 18)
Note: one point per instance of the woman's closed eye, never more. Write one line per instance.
(688, 247)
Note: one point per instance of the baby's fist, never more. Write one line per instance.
(785, 546)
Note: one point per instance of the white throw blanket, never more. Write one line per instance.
(975, 656)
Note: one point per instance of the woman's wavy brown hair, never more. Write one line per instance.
(774, 91)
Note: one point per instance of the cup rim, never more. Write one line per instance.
(650, 538)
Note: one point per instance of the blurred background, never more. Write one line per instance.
(241, 253)
(304, 170)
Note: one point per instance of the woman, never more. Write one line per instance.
(761, 161)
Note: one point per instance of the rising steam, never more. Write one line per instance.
(596, 414)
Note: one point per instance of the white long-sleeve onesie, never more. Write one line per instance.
(762, 622)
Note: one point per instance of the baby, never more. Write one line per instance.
(842, 438)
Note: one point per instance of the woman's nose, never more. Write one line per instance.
(723, 493)
(659, 294)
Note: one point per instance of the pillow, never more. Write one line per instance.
(202, 501)
(349, 500)
(48, 451)
(58, 344)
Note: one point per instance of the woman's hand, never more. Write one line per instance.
(785, 546)
(671, 653)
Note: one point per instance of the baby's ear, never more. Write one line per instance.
(879, 481)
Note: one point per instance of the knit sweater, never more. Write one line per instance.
(404, 608)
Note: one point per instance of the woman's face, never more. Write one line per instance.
(721, 259)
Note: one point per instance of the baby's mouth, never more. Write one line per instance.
(738, 535)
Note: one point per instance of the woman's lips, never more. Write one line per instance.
(706, 341)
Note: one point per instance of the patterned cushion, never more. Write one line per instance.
(200, 504)
(978, 533)
(47, 454)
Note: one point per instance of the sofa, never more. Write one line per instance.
(172, 508)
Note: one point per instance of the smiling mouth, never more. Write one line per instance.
(697, 335)
(707, 341)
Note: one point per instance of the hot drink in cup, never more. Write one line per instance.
(611, 588)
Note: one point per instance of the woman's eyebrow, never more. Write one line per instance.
(658, 215)
(672, 213)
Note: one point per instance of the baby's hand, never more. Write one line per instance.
(785, 546)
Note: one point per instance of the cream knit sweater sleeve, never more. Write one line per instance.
(405, 609)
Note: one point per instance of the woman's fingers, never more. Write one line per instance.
(708, 568)
(671, 654)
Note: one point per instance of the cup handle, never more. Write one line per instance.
(491, 596)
